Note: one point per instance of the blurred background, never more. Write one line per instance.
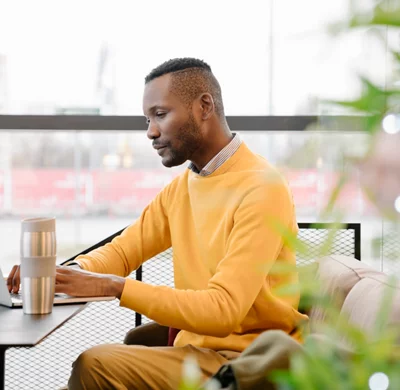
(272, 58)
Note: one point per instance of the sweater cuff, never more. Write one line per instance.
(74, 264)
(136, 296)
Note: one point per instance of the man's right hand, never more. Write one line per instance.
(14, 279)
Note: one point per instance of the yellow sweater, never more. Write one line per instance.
(223, 247)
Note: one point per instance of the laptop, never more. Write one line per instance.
(15, 300)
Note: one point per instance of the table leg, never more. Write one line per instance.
(2, 368)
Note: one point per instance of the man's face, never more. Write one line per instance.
(171, 124)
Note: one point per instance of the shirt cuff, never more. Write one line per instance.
(74, 264)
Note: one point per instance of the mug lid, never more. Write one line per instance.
(39, 225)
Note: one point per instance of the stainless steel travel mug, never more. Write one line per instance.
(38, 264)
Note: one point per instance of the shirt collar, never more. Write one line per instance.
(223, 155)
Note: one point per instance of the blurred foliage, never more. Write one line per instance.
(322, 365)
(329, 363)
(373, 103)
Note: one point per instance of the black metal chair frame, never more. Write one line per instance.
(302, 226)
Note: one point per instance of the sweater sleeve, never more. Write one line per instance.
(252, 248)
(142, 240)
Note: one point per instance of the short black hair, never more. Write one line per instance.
(190, 78)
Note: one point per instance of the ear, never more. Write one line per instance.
(207, 107)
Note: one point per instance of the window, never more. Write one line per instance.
(96, 183)
(91, 57)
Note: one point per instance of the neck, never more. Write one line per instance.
(213, 143)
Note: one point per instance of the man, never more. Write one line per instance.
(218, 217)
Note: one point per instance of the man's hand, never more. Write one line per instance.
(80, 283)
(14, 279)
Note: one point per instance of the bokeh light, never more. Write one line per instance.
(378, 381)
(391, 124)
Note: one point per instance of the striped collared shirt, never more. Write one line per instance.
(227, 152)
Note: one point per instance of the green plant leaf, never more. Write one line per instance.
(287, 290)
(289, 237)
(384, 14)
(396, 55)
(373, 102)
(282, 269)
(343, 178)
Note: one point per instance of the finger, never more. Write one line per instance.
(10, 277)
(16, 280)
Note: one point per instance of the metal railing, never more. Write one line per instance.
(133, 123)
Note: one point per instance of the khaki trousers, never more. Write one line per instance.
(118, 366)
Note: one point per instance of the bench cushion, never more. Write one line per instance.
(338, 274)
(361, 306)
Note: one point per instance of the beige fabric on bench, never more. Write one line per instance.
(363, 303)
(357, 290)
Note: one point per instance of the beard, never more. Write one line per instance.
(188, 141)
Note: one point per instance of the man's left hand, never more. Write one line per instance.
(80, 283)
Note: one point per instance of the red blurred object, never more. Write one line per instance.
(123, 192)
(172, 333)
